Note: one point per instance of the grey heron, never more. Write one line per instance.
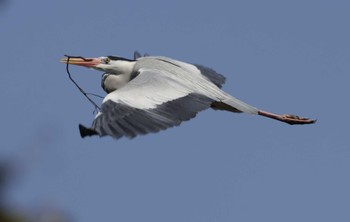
(148, 94)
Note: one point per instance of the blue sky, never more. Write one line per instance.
(286, 57)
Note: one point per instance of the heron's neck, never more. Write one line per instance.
(111, 82)
(118, 75)
(123, 67)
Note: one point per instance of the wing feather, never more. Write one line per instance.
(151, 102)
(212, 75)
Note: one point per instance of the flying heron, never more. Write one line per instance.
(148, 94)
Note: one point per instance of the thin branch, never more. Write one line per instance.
(76, 84)
(93, 94)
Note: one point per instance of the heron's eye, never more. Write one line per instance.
(106, 60)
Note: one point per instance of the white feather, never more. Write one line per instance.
(149, 89)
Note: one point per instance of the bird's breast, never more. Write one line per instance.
(113, 82)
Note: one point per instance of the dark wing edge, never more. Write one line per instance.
(212, 75)
(119, 120)
(84, 131)
(138, 55)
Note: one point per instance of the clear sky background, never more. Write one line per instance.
(281, 56)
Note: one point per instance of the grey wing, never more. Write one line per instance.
(151, 102)
(137, 55)
(212, 75)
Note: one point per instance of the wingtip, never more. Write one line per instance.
(137, 55)
(84, 131)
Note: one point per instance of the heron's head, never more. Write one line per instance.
(107, 64)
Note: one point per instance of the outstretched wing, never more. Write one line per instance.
(151, 102)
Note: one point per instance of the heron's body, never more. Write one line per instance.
(163, 73)
(152, 93)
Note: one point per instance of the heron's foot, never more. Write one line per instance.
(287, 118)
(294, 119)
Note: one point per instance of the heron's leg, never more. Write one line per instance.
(287, 118)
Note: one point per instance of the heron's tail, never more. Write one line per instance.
(232, 104)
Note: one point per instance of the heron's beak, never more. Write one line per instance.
(87, 62)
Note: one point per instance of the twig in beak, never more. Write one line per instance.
(76, 84)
